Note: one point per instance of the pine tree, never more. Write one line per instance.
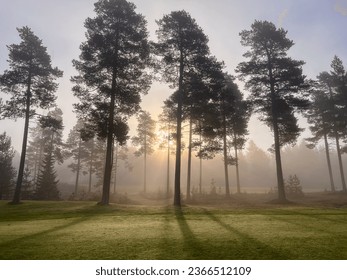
(30, 81)
(7, 171)
(145, 140)
(181, 45)
(27, 185)
(337, 84)
(167, 120)
(112, 74)
(320, 119)
(47, 184)
(276, 84)
(77, 150)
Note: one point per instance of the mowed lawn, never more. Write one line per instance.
(83, 230)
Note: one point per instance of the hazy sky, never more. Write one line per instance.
(318, 28)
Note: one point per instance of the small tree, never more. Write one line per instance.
(7, 171)
(47, 185)
(145, 140)
(30, 81)
(293, 186)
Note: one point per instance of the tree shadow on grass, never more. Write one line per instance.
(316, 216)
(250, 247)
(18, 242)
(193, 248)
(303, 223)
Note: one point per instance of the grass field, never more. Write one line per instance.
(83, 230)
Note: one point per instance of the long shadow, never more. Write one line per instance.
(166, 244)
(192, 247)
(25, 238)
(316, 216)
(306, 225)
(249, 243)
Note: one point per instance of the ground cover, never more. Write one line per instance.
(83, 230)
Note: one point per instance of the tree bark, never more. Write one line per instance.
(16, 197)
(145, 165)
(177, 195)
(200, 159)
(189, 171)
(238, 186)
(329, 163)
(115, 166)
(105, 200)
(91, 167)
(78, 164)
(225, 155)
(168, 163)
(279, 171)
(342, 173)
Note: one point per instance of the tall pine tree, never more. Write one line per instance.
(181, 44)
(276, 83)
(112, 73)
(30, 81)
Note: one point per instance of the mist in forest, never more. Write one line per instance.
(257, 172)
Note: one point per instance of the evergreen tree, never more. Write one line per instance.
(235, 114)
(320, 119)
(48, 132)
(112, 74)
(27, 185)
(30, 81)
(181, 45)
(7, 171)
(167, 120)
(119, 154)
(145, 140)
(276, 83)
(89, 161)
(293, 186)
(47, 184)
(76, 149)
(337, 84)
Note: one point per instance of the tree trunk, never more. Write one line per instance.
(39, 159)
(78, 164)
(200, 178)
(115, 166)
(145, 169)
(280, 181)
(177, 195)
(16, 197)
(238, 186)
(91, 167)
(329, 163)
(279, 171)
(109, 146)
(189, 171)
(225, 155)
(338, 150)
(168, 163)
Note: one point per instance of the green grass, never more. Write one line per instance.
(83, 230)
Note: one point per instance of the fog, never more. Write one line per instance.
(257, 172)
